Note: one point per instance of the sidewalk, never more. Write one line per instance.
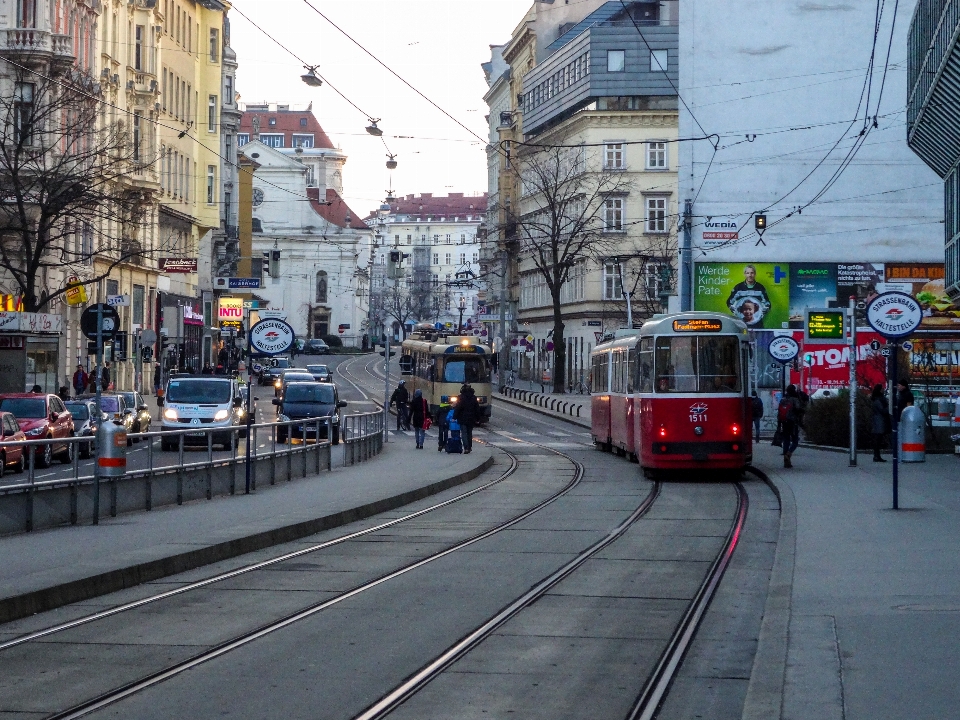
(47, 569)
(871, 599)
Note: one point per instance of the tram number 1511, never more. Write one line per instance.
(698, 417)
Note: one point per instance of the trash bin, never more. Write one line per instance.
(912, 435)
(111, 450)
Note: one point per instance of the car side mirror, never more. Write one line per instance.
(142, 407)
(276, 401)
(342, 404)
(54, 415)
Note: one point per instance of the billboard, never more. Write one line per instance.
(757, 293)
(774, 296)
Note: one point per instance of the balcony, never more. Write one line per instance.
(933, 84)
(37, 44)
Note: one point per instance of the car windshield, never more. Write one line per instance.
(110, 404)
(129, 399)
(697, 364)
(297, 377)
(199, 391)
(24, 407)
(80, 411)
(281, 363)
(466, 370)
(313, 393)
(317, 369)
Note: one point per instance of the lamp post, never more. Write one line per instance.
(461, 306)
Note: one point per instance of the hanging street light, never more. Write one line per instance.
(310, 77)
(372, 127)
(392, 162)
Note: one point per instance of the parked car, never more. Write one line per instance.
(12, 456)
(321, 373)
(86, 420)
(41, 417)
(316, 346)
(141, 414)
(270, 373)
(289, 376)
(116, 409)
(203, 402)
(304, 400)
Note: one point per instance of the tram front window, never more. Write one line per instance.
(466, 370)
(697, 364)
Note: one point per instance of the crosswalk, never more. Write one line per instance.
(572, 440)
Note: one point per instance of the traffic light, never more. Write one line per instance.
(146, 353)
(265, 265)
(274, 263)
(393, 264)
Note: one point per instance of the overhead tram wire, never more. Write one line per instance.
(180, 131)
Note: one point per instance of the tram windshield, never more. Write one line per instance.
(466, 370)
(697, 363)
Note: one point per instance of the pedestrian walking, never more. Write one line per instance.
(419, 417)
(756, 407)
(401, 398)
(157, 379)
(105, 377)
(467, 413)
(788, 424)
(80, 380)
(443, 424)
(879, 420)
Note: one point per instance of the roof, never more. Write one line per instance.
(337, 211)
(439, 208)
(288, 122)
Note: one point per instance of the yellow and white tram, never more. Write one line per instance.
(439, 365)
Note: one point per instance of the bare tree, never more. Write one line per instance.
(62, 182)
(568, 215)
(649, 275)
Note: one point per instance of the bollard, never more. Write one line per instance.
(912, 435)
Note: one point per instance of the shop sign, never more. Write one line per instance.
(76, 293)
(30, 322)
(230, 309)
(11, 303)
(192, 316)
(9, 321)
(178, 265)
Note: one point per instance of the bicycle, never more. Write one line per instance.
(580, 388)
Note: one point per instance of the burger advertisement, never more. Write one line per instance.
(925, 284)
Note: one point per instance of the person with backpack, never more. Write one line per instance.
(879, 420)
(400, 398)
(467, 413)
(419, 417)
(756, 407)
(443, 425)
(788, 423)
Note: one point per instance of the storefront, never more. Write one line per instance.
(182, 328)
(29, 351)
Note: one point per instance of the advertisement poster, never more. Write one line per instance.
(811, 286)
(757, 293)
(821, 367)
(858, 280)
(925, 283)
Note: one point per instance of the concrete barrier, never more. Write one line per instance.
(557, 404)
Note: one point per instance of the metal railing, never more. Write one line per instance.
(362, 436)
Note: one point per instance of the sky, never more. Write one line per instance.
(435, 45)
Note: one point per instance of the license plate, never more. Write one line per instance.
(196, 434)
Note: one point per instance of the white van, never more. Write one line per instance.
(203, 402)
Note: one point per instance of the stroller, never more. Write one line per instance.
(454, 441)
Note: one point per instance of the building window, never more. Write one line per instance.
(137, 302)
(613, 156)
(655, 277)
(86, 244)
(272, 140)
(447, 259)
(138, 47)
(211, 184)
(228, 147)
(26, 13)
(301, 141)
(212, 114)
(613, 215)
(272, 122)
(436, 239)
(137, 118)
(303, 122)
(476, 257)
(321, 287)
(616, 60)
(656, 156)
(656, 214)
(23, 113)
(113, 287)
(242, 139)
(436, 258)
(214, 45)
(612, 289)
(257, 225)
(658, 61)
(228, 94)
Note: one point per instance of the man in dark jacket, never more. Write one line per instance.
(401, 398)
(467, 413)
(904, 397)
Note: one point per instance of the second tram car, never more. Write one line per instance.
(682, 385)
(439, 365)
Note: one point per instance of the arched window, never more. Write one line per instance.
(322, 286)
(257, 225)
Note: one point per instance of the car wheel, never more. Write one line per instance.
(3, 464)
(66, 457)
(45, 459)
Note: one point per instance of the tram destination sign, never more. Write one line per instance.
(697, 325)
(824, 326)
(894, 314)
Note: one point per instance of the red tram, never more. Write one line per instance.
(684, 393)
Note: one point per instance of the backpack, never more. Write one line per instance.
(787, 410)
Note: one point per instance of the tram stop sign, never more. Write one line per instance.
(783, 349)
(88, 321)
(894, 314)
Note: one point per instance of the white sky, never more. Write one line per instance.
(436, 45)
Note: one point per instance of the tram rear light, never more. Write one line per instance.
(736, 446)
(735, 429)
(663, 431)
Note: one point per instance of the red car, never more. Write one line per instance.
(42, 416)
(11, 455)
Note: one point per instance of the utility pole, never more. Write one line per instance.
(96, 466)
(504, 359)
(851, 314)
(686, 259)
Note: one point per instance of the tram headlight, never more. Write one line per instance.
(698, 430)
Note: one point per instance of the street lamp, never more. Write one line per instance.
(461, 306)
(310, 77)
(372, 127)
